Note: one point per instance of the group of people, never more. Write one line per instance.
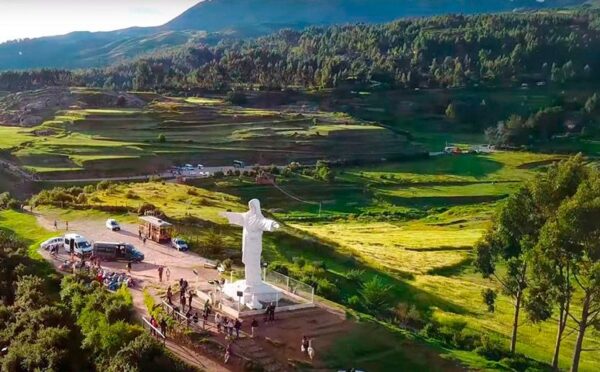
(162, 324)
(167, 272)
(230, 327)
(195, 318)
(114, 280)
(306, 347)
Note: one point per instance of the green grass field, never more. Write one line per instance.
(197, 130)
(428, 255)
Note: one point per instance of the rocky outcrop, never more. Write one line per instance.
(31, 108)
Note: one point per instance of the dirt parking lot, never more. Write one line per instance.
(180, 264)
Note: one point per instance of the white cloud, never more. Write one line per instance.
(34, 18)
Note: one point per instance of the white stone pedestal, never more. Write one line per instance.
(252, 295)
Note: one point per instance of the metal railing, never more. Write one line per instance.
(154, 331)
(290, 285)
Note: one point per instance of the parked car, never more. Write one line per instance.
(179, 244)
(52, 243)
(117, 251)
(80, 245)
(112, 225)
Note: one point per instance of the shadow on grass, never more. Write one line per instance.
(452, 270)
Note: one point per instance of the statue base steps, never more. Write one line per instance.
(254, 297)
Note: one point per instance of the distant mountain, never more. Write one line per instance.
(216, 15)
(242, 18)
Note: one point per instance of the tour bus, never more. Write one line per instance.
(77, 244)
(117, 251)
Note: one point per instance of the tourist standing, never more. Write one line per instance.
(272, 312)
(169, 296)
(218, 322)
(190, 297)
(305, 344)
(163, 327)
(67, 225)
(196, 318)
(237, 327)
(253, 327)
(230, 327)
(182, 300)
(168, 274)
(55, 225)
(160, 273)
(129, 267)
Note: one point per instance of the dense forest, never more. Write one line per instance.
(445, 51)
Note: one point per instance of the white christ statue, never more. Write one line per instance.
(254, 224)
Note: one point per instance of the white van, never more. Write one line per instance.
(81, 246)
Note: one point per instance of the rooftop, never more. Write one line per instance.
(155, 221)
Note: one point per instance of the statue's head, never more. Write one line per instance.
(254, 206)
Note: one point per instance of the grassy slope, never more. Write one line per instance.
(427, 252)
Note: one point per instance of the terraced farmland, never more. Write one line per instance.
(115, 141)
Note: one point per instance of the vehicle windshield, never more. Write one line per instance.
(113, 223)
(180, 241)
(83, 245)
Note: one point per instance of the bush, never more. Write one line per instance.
(236, 98)
(161, 138)
(214, 243)
(227, 264)
(146, 207)
(82, 199)
(377, 295)
(103, 185)
(355, 302)
(408, 315)
(355, 275)
(279, 267)
(299, 261)
(520, 362)
(431, 330)
(492, 348)
(327, 289)
(131, 195)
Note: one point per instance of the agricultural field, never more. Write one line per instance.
(143, 140)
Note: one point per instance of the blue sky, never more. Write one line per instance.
(34, 18)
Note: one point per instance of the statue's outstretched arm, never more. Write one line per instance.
(270, 225)
(233, 218)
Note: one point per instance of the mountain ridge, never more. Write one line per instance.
(231, 18)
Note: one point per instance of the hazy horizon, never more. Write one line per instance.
(21, 19)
